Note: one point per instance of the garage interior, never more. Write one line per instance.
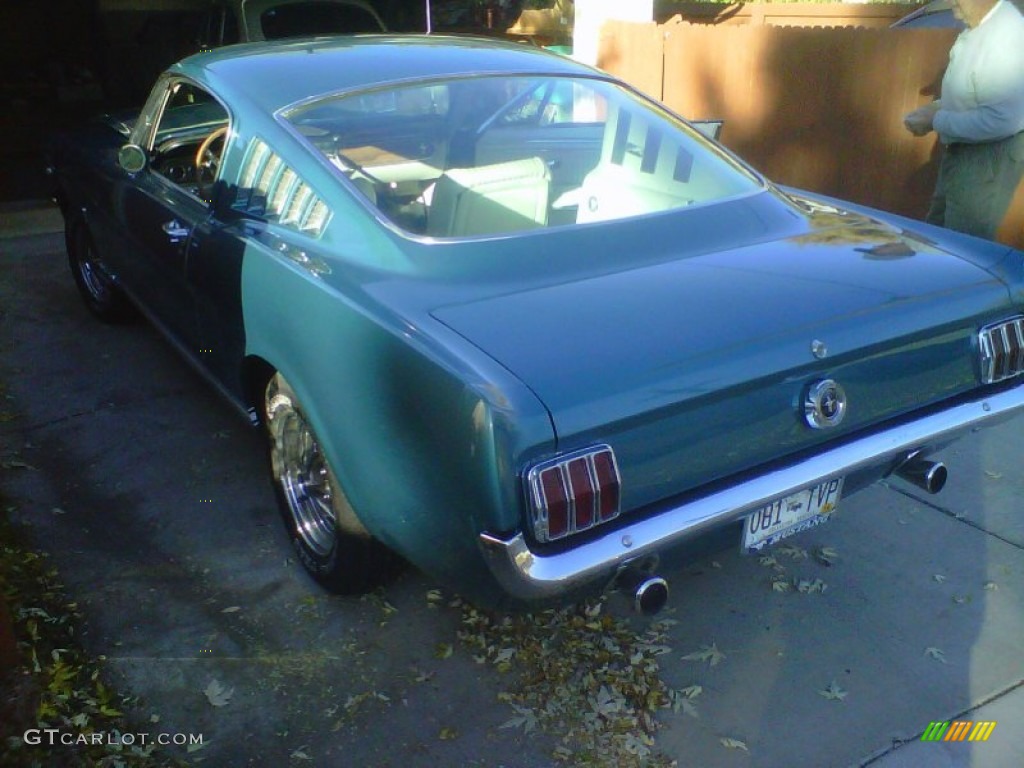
(64, 61)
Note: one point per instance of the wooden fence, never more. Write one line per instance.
(816, 108)
(787, 14)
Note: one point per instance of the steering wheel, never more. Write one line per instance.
(208, 160)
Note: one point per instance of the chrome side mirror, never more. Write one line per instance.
(132, 158)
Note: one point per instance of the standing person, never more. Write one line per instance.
(979, 117)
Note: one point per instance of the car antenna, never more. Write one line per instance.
(428, 18)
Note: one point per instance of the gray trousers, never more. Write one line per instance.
(976, 185)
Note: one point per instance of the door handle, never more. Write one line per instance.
(174, 230)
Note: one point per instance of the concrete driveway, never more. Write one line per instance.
(151, 495)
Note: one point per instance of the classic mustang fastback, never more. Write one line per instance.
(504, 316)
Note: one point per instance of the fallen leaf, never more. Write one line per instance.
(682, 699)
(423, 677)
(733, 744)
(991, 586)
(792, 551)
(217, 694)
(564, 753)
(939, 577)
(993, 475)
(833, 692)
(808, 587)
(443, 650)
(525, 718)
(708, 653)
(16, 464)
(935, 653)
(504, 655)
(607, 703)
(447, 734)
(300, 754)
(686, 706)
(232, 609)
(826, 556)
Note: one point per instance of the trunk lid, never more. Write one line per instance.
(696, 369)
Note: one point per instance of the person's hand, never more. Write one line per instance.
(919, 122)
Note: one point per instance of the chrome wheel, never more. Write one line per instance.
(329, 537)
(103, 298)
(301, 471)
(91, 272)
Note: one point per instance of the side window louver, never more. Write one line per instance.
(269, 188)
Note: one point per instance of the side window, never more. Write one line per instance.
(268, 188)
(188, 139)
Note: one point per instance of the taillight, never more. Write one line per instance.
(573, 493)
(1002, 350)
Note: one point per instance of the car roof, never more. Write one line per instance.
(274, 75)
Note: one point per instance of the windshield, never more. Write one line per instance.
(488, 155)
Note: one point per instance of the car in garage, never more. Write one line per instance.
(502, 315)
(141, 38)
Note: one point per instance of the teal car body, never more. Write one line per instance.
(505, 317)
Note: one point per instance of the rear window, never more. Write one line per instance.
(489, 155)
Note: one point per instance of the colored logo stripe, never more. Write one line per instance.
(982, 731)
(958, 730)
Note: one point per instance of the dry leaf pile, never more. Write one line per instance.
(57, 685)
(580, 675)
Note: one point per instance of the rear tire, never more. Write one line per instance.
(98, 290)
(325, 531)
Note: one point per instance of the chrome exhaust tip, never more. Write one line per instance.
(928, 475)
(647, 591)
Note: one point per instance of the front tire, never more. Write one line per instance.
(98, 290)
(328, 538)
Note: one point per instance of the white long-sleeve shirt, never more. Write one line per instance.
(983, 88)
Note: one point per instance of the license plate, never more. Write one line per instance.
(792, 514)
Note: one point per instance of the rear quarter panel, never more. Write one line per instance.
(422, 431)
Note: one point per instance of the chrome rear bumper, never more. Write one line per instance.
(529, 575)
